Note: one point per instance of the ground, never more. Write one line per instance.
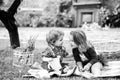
(109, 37)
(104, 40)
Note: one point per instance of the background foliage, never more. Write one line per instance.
(48, 15)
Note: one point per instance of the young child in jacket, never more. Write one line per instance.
(55, 52)
(84, 53)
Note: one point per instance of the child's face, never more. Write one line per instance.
(59, 42)
(72, 43)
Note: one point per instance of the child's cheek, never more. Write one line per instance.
(73, 45)
(61, 43)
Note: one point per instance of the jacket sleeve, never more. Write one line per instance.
(48, 53)
(93, 56)
(76, 55)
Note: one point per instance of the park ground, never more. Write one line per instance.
(100, 38)
(104, 40)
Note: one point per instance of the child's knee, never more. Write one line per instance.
(96, 68)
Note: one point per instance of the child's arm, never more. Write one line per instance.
(47, 59)
(93, 59)
(93, 56)
(77, 59)
(47, 53)
(79, 64)
(87, 67)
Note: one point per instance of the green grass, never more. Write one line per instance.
(9, 72)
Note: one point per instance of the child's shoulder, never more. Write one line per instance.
(60, 48)
(47, 51)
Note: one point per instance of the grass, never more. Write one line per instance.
(9, 72)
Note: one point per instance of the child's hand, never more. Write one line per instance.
(66, 69)
(87, 67)
(79, 64)
(47, 59)
(80, 68)
(58, 56)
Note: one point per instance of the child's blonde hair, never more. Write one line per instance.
(79, 38)
(53, 36)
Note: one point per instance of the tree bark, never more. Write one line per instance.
(13, 8)
(7, 17)
(1, 2)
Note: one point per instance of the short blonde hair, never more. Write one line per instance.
(53, 36)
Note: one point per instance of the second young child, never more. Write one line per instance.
(84, 53)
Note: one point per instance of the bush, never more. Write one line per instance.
(23, 19)
(31, 19)
(28, 18)
(63, 20)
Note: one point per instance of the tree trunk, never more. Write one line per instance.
(7, 17)
(14, 38)
(13, 8)
(10, 25)
(1, 2)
